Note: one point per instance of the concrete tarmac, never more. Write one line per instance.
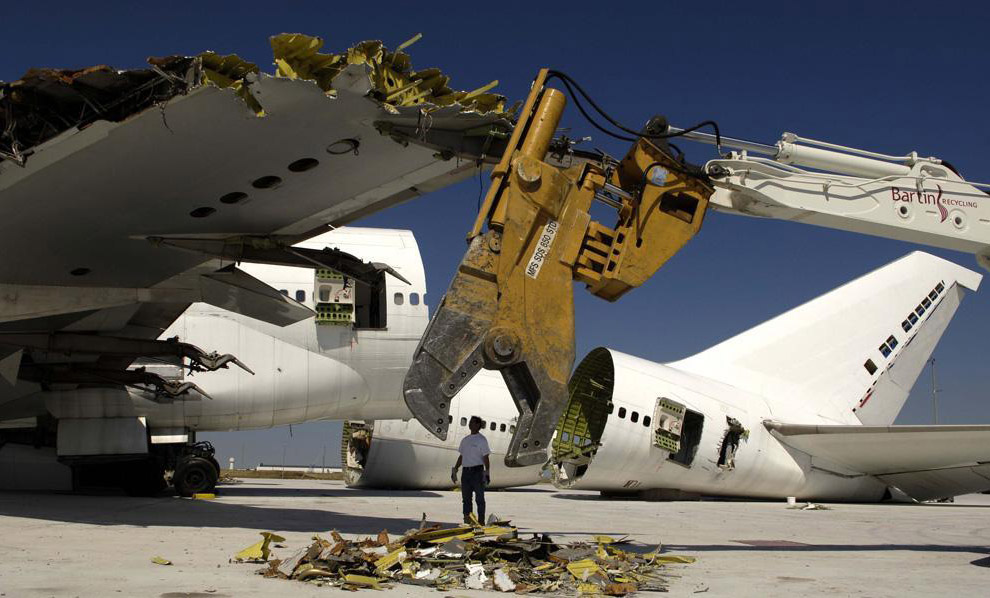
(102, 545)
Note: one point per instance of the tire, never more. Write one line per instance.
(195, 475)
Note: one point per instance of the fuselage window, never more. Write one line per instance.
(284, 292)
(634, 417)
(906, 325)
(399, 300)
(413, 298)
(892, 342)
(493, 426)
(325, 293)
(919, 310)
(463, 421)
(300, 296)
(501, 428)
(512, 429)
(885, 350)
(912, 318)
(926, 303)
(870, 366)
(939, 288)
(611, 407)
(622, 413)
(933, 295)
(450, 419)
(646, 421)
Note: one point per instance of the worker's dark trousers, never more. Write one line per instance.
(473, 482)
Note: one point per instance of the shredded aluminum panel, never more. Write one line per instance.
(489, 557)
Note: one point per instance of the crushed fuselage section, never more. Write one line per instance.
(579, 431)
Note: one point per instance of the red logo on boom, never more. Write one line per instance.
(941, 208)
(935, 199)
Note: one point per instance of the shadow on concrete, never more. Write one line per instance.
(177, 512)
(171, 511)
(799, 547)
(984, 562)
(524, 490)
(329, 491)
(729, 499)
(587, 495)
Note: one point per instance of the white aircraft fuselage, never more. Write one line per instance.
(310, 370)
(403, 454)
(630, 461)
(348, 365)
(801, 405)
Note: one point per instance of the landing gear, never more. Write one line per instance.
(195, 475)
(197, 470)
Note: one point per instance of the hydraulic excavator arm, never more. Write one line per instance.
(909, 198)
(510, 306)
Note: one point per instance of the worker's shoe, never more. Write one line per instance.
(467, 520)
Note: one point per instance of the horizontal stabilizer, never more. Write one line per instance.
(925, 462)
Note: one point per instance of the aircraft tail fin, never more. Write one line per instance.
(858, 348)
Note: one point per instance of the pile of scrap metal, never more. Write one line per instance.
(476, 557)
(46, 102)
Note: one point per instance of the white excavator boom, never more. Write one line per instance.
(908, 198)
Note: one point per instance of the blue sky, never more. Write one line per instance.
(890, 77)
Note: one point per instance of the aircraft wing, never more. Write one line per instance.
(127, 195)
(925, 462)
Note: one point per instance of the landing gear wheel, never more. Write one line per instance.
(195, 475)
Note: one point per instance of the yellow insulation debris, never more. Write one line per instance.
(394, 80)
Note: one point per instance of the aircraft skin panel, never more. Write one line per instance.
(816, 354)
(403, 454)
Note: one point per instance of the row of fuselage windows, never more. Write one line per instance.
(490, 426)
(888, 346)
(633, 416)
(398, 298)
